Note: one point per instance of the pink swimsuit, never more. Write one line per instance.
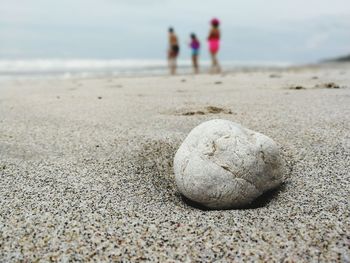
(214, 45)
(214, 42)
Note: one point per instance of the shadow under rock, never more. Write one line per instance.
(261, 201)
(266, 197)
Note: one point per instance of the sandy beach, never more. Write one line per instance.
(86, 167)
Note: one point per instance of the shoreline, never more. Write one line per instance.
(163, 71)
(43, 68)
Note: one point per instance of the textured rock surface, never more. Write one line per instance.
(222, 165)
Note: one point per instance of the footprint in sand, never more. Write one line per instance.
(206, 110)
(297, 87)
(329, 85)
(275, 76)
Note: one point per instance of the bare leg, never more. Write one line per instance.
(195, 64)
(172, 65)
(218, 68)
(169, 63)
(215, 64)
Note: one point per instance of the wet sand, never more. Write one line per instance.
(86, 168)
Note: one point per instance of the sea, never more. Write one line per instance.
(85, 68)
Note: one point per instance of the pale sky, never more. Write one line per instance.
(252, 30)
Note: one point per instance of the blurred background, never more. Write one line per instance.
(126, 36)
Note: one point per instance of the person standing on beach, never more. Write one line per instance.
(173, 51)
(214, 44)
(195, 46)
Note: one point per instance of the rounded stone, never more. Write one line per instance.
(223, 165)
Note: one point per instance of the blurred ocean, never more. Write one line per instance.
(67, 68)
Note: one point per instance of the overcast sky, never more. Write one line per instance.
(252, 30)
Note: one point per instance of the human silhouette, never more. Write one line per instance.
(173, 50)
(214, 45)
(195, 46)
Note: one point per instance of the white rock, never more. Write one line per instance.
(224, 165)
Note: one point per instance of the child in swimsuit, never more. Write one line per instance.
(214, 44)
(173, 50)
(195, 46)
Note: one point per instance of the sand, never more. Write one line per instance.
(86, 168)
